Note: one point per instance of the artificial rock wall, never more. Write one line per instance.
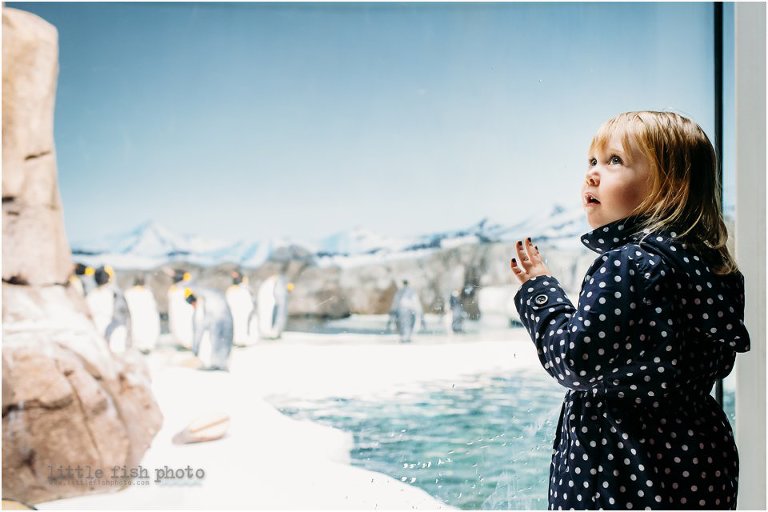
(67, 400)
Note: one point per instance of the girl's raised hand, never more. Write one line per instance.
(528, 262)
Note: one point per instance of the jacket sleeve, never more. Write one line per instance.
(584, 347)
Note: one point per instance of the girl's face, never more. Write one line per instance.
(617, 181)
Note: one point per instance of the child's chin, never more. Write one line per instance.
(593, 221)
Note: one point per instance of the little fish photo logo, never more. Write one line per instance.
(121, 476)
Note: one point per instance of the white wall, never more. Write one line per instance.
(750, 163)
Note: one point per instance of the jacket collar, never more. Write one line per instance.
(612, 235)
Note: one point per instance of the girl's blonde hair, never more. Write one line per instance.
(685, 187)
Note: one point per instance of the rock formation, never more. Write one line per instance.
(332, 291)
(67, 401)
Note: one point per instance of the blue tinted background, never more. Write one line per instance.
(258, 120)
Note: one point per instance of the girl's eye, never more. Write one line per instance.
(592, 162)
(615, 159)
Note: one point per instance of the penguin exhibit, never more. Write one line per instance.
(154, 353)
(152, 369)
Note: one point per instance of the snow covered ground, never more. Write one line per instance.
(268, 460)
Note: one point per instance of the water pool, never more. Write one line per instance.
(482, 441)
(478, 442)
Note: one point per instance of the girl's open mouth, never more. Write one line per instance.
(590, 200)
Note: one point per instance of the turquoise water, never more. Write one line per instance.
(481, 442)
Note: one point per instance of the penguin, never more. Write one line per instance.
(145, 320)
(82, 279)
(110, 310)
(457, 312)
(179, 311)
(240, 302)
(213, 327)
(272, 304)
(406, 309)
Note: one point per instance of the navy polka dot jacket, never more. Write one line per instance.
(639, 354)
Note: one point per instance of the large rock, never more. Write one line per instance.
(35, 248)
(368, 288)
(368, 285)
(318, 293)
(67, 401)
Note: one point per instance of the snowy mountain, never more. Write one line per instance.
(151, 245)
(149, 240)
(358, 241)
(559, 227)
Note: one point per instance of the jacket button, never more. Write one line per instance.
(541, 299)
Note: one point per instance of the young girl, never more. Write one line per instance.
(658, 320)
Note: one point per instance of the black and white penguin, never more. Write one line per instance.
(145, 320)
(457, 312)
(109, 310)
(405, 311)
(179, 311)
(272, 306)
(244, 316)
(213, 330)
(81, 279)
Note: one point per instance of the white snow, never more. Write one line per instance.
(304, 365)
(359, 241)
(458, 241)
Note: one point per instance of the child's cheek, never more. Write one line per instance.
(624, 196)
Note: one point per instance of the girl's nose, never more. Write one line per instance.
(592, 179)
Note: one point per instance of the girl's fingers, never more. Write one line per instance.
(532, 251)
(523, 255)
(517, 270)
(528, 261)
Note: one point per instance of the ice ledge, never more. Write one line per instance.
(267, 460)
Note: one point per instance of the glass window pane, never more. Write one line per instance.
(302, 120)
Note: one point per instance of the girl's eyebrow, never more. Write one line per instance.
(610, 151)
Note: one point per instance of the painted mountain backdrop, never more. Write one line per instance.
(150, 244)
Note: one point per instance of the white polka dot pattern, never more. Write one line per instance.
(652, 331)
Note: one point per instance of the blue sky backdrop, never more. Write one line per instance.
(259, 120)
